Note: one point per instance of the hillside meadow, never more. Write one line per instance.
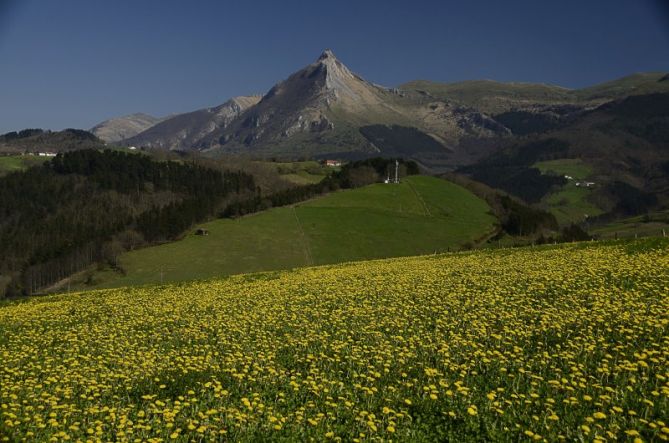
(418, 216)
(569, 204)
(13, 163)
(549, 343)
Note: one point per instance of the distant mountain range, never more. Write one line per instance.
(497, 133)
(325, 110)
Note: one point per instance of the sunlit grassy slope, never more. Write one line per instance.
(551, 343)
(12, 163)
(300, 173)
(420, 215)
(570, 203)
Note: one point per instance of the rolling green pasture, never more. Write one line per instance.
(13, 163)
(301, 173)
(421, 215)
(573, 167)
(569, 204)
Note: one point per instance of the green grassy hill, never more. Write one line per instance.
(635, 84)
(491, 96)
(11, 163)
(421, 215)
(300, 172)
(495, 97)
(570, 203)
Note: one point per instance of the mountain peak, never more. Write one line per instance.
(340, 82)
(327, 54)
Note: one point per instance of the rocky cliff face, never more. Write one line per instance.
(185, 131)
(325, 104)
(301, 104)
(116, 129)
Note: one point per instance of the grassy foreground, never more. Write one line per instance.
(568, 342)
(420, 215)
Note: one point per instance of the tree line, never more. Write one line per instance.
(351, 175)
(86, 206)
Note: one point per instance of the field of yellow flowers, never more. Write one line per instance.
(567, 342)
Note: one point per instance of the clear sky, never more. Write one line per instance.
(73, 63)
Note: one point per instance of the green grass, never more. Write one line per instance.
(260, 242)
(421, 215)
(300, 173)
(653, 224)
(303, 178)
(570, 203)
(573, 167)
(19, 163)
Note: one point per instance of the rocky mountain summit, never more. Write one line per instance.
(121, 128)
(323, 110)
(303, 104)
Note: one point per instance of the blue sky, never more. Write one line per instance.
(73, 63)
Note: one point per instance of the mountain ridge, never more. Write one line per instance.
(321, 110)
(190, 127)
(119, 128)
(327, 110)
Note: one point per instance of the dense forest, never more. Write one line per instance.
(87, 206)
(511, 169)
